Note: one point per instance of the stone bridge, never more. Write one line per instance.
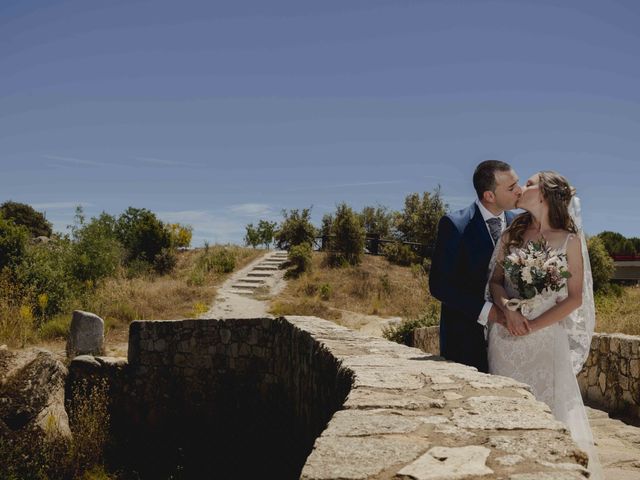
(301, 397)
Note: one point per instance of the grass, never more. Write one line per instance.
(619, 311)
(184, 293)
(375, 287)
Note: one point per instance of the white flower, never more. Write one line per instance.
(526, 275)
(515, 259)
(553, 261)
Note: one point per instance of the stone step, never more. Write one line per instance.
(245, 285)
(251, 280)
(263, 267)
(257, 274)
(241, 291)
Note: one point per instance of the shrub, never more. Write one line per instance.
(295, 229)
(25, 215)
(13, 243)
(266, 232)
(325, 291)
(300, 259)
(347, 242)
(142, 234)
(602, 267)
(400, 254)
(403, 332)
(44, 271)
(96, 253)
(418, 221)
(165, 261)
(180, 235)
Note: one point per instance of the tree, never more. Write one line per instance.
(616, 243)
(142, 234)
(418, 222)
(347, 243)
(266, 232)
(295, 229)
(377, 220)
(23, 214)
(180, 235)
(602, 267)
(252, 237)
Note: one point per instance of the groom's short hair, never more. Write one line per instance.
(484, 178)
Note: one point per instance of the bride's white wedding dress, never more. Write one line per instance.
(547, 360)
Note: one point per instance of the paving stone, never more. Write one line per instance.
(442, 463)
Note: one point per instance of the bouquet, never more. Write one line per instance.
(536, 271)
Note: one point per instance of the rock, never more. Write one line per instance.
(32, 397)
(492, 412)
(351, 458)
(352, 423)
(363, 398)
(441, 463)
(86, 335)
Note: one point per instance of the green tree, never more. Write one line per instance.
(602, 267)
(252, 237)
(295, 229)
(418, 221)
(142, 234)
(96, 252)
(13, 243)
(377, 220)
(347, 243)
(266, 232)
(616, 243)
(26, 215)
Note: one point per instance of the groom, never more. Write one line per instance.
(464, 246)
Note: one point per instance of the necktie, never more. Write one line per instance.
(495, 228)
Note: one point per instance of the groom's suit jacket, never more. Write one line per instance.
(458, 278)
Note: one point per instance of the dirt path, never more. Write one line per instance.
(246, 293)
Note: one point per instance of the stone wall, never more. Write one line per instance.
(375, 409)
(610, 378)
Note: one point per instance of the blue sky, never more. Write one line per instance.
(219, 113)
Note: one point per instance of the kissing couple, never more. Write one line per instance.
(516, 290)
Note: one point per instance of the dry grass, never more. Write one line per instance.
(187, 292)
(175, 296)
(375, 287)
(619, 314)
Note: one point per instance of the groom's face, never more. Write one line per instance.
(507, 190)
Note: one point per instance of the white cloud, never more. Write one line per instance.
(251, 209)
(208, 226)
(76, 161)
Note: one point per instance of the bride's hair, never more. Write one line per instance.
(558, 193)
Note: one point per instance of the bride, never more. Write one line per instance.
(547, 348)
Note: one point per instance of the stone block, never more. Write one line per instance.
(634, 369)
(442, 463)
(86, 335)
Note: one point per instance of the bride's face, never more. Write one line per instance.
(531, 196)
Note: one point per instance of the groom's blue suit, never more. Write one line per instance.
(458, 278)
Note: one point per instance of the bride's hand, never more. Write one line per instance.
(517, 324)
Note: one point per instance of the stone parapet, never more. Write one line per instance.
(610, 378)
(351, 406)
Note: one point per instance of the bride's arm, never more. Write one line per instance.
(515, 322)
(574, 288)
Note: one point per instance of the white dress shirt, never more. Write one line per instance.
(486, 215)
